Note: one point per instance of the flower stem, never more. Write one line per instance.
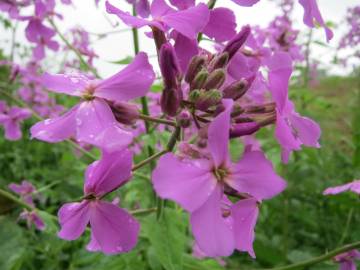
(14, 199)
(157, 120)
(148, 160)
(71, 47)
(319, 259)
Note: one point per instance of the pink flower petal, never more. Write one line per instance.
(134, 81)
(308, 130)
(280, 69)
(218, 135)
(244, 214)
(112, 171)
(352, 186)
(221, 25)
(189, 22)
(114, 229)
(254, 174)
(56, 129)
(64, 84)
(212, 233)
(312, 14)
(189, 183)
(183, 4)
(130, 20)
(12, 130)
(185, 49)
(246, 3)
(96, 125)
(159, 8)
(73, 218)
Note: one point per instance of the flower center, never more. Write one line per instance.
(220, 174)
(89, 92)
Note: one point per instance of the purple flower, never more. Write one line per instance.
(25, 190)
(198, 185)
(113, 230)
(92, 121)
(142, 7)
(292, 129)
(32, 218)
(188, 22)
(246, 3)
(312, 14)
(11, 120)
(352, 186)
(347, 259)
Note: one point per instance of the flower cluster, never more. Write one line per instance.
(208, 98)
(27, 193)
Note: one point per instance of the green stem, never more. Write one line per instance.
(347, 226)
(157, 120)
(71, 47)
(47, 187)
(13, 198)
(319, 259)
(148, 160)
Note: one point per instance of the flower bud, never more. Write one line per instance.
(219, 61)
(169, 66)
(265, 108)
(208, 99)
(194, 95)
(159, 37)
(195, 66)
(184, 119)
(243, 129)
(199, 80)
(236, 89)
(170, 101)
(236, 110)
(125, 113)
(215, 79)
(235, 44)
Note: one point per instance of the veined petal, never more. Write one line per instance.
(212, 233)
(73, 218)
(284, 134)
(254, 174)
(218, 135)
(189, 22)
(221, 25)
(110, 172)
(96, 125)
(132, 82)
(245, 214)
(64, 84)
(115, 230)
(189, 183)
(56, 129)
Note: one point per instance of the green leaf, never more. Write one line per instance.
(12, 245)
(167, 237)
